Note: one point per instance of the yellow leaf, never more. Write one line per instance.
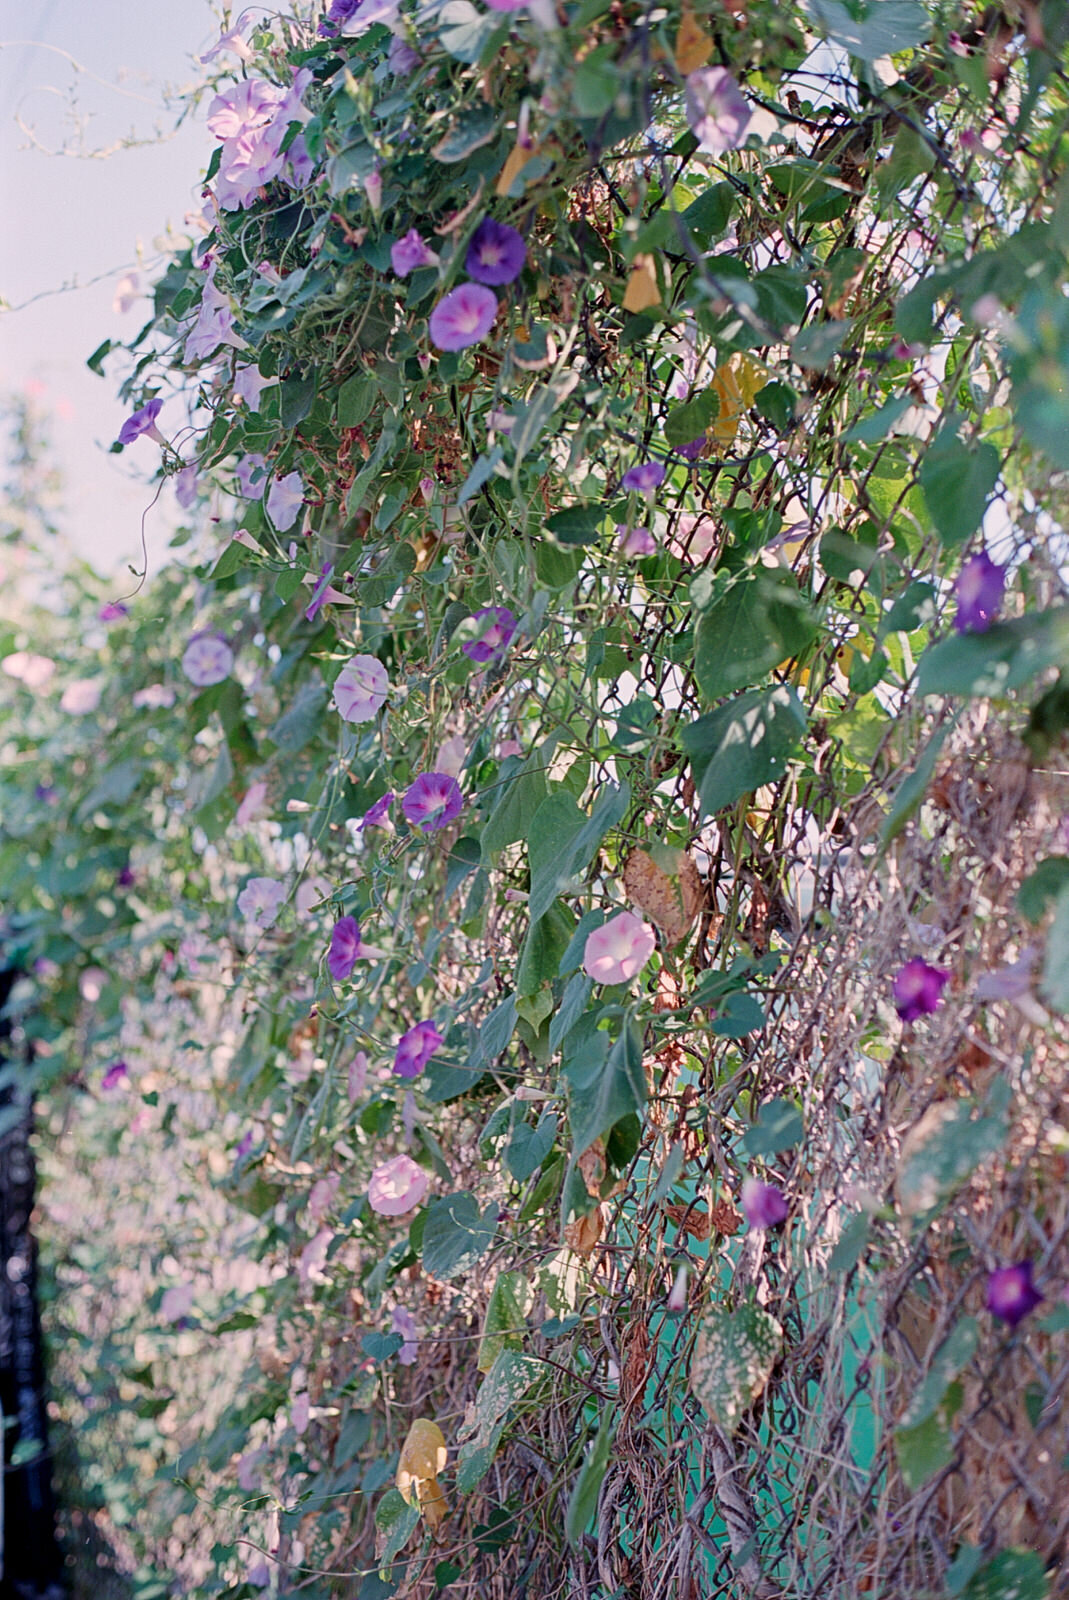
(736, 382)
(518, 157)
(423, 1456)
(642, 291)
(693, 44)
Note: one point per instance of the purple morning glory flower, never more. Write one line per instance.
(284, 500)
(432, 801)
(337, 15)
(691, 451)
(345, 949)
(376, 815)
(114, 1075)
(46, 794)
(918, 989)
(410, 252)
(401, 58)
(1011, 1294)
(245, 1145)
(644, 478)
(717, 112)
(251, 473)
(494, 637)
(763, 1205)
(463, 317)
(979, 591)
(319, 593)
(126, 878)
(143, 421)
(496, 253)
(415, 1048)
(112, 611)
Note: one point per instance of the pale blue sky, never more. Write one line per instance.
(76, 218)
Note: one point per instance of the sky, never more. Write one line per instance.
(92, 77)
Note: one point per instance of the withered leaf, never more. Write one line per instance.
(583, 1234)
(642, 290)
(693, 44)
(671, 891)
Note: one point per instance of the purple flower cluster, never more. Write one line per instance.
(251, 120)
(496, 255)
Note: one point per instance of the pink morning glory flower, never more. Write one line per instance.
(153, 698)
(635, 541)
(463, 317)
(370, 12)
(251, 473)
(319, 593)
(230, 43)
(617, 952)
(360, 689)
(403, 1322)
(695, 537)
(415, 1048)
(763, 1205)
(345, 949)
(207, 659)
(644, 478)
(496, 253)
(411, 252)
(1011, 1294)
(717, 113)
(918, 989)
(356, 1078)
(81, 697)
(397, 1186)
(311, 894)
(677, 1295)
(979, 589)
(261, 900)
(32, 671)
(284, 500)
(432, 801)
(495, 634)
(375, 816)
(143, 421)
(253, 803)
(114, 1075)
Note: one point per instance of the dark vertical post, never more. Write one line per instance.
(31, 1560)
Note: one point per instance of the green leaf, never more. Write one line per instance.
(583, 1500)
(878, 424)
(913, 788)
(759, 622)
(481, 473)
(396, 1520)
(295, 398)
(563, 840)
(529, 1147)
(873, 28)
(604, 1085)
(573, 1004)
(744, 744)
(1010, 1575)
(381, 1346)
(817, 346)
(739, 1016)
(851, 1243)
(506, 1318)
(546, 941)
(954, 1354)
(456, 1234)
(1002, 658)
(942, 1152)
(355, 400)
(779, 1125)
(577, 524)
(912, 609)
(929, 1447)
(956, 480)
(708, 216)
(472, 131)
(465, 32)
(734, 1354)
(1055, 982)
(300, 723)
(511, 1375)
(521, 791)
(596, 83)
(687, 422)
(1042, 886)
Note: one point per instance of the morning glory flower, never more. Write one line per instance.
(376, 815)
(249, 385)
(617, 952)
(370, 12)
(113, 611)
(207, 659)
(261, 900)
(345, 948)
(432, 801)
(696, 536)
(979, 591)
(319, 593)
(397, 1186)
(677, 1295)
(284, 500)
(918, 989)
(251, 473)
(214, 324)
(251, 103)
(716, 111)
(154, 697)
(644, 478)
(496, 253)
(143, 421)
(1011, 1294)
(415, 1048)
(691, 451)
(404, 1323)
(338, 12)
(114, 1075)
(127, 293)
(32, 671)
(230, 43)
(360, 689)
(401, 58)
(495, 635)
(410, 252)
(763, 1204)
(463, 317)
(635, 541)
(81, 697)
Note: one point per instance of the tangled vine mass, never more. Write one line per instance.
(546, 923)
